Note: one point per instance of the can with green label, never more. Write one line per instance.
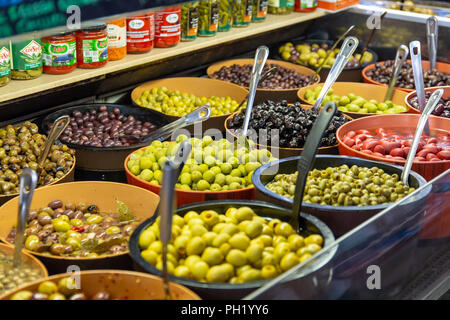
(5, 65)
(26, 62)
(59, 53)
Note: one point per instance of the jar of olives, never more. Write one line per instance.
(5, 65)
(189, 21)
(225, 14)
(208, 18)
(242, 13)
(26, 59)
(281, 6)
(259, 10)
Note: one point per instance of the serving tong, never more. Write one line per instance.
(430, 106)
(347, 49)
(202, 113)
(400, 58)
(432, 40)
(171, 171)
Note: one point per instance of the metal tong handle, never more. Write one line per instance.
(331, 50)
(431, 105)
(28, 183)
(306, 161)
(400, 58)
(58, 127)
(348, 47)
(202, 113)
(432, 39)
(260, 60)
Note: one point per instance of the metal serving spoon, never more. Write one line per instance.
(432, 40)
(269, 73)
(348, 47)
(202, 113)
(28, 183)
(431, 105)
(400, 58)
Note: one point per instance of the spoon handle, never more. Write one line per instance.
(58, 127)
(28, 183)
(431, 104)
(202, 113)
(348, 47)
(306, 161)
(432, 40)
(400, 58)
(260, 60)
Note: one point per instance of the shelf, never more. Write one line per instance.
(19, 89)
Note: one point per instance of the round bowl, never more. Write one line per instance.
(199, 87)
(352, 74)
(187, 196)
(340, 219)
(27, 259)
(290, 95)
(282, 153)
(67, 177)
(238, 290)
(142, 204)
(412, 94)
(428, 169)
(365, 90)
(440, 66)
(122, 285)
(98, 158)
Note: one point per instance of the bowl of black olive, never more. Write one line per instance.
(283, 128)
(443, 107)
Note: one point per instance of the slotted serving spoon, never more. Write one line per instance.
(432, 40)
(400, 58)
(430, 106)
(28, 183)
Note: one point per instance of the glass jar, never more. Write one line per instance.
(281, 6)
(259, 10)
(117, 39)
(189, 21)
(26, 59)
(168, 27)
(92, 45)
(5, 65)
(59, 53)
(141, 33)
(305, 5)
(208, 18)
(242, 13)
(225, 15)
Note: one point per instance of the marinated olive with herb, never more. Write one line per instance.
(344, 186)
(237, 246)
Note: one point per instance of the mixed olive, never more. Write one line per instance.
(234, 247)
(65, 289)
(176, 103)
(382, 73)
(212, 165)
(353, 103)
(283, 78)
(20, 147)
(103, 128)
(442, 108)
(344, 186)
(292, 122)
(12, 277)
(77, 230)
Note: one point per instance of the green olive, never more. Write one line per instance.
(236, 257)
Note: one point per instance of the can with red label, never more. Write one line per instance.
(168, 27)
(140, 33)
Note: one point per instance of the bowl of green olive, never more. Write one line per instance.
(341, 191)
(227, 249)
(172, 98)
(85, 223)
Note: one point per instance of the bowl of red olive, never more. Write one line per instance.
(283, 84)
(443, 107)
(95, 133)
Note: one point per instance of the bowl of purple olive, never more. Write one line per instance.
(443, 107)
(96, 133)
(283, 128)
